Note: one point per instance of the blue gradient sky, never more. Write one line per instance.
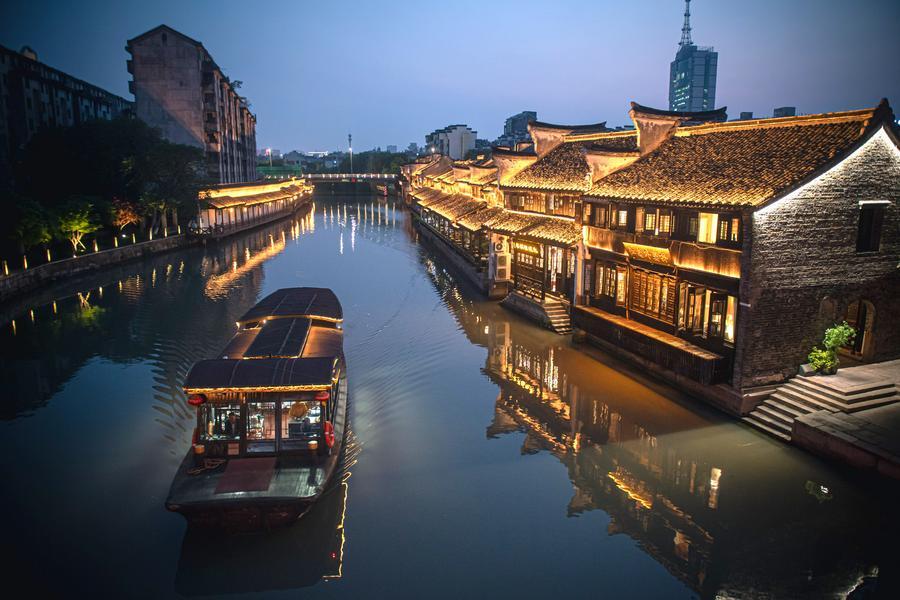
(390, 72)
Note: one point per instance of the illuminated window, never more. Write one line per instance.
(729, 319)
(623, 217)
(723, 229)
(639, 219)
(621, 275)
(220, 422)
(692, 229)
(650, 221)
(600, 216)
(708, 225)
(301, 422)
(735, 229)
(665, 221)
(260, 427)
(653, 294)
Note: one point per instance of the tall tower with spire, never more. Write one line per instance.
(692, 75)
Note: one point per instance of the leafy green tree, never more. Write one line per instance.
(75, 218)
(31, 224)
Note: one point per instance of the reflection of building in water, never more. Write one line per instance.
(681, 486)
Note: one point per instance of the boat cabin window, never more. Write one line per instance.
(260, 427)
(301, 422)
(220, 422)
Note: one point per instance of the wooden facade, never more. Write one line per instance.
(708, 251)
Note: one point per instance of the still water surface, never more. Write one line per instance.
(488, 457)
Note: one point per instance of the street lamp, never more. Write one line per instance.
(350, 146)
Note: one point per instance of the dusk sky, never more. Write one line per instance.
(390, 72)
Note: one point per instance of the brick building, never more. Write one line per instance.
(721, 256)
(34, 96)
(179, 89)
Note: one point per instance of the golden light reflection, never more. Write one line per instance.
(631, 487)
(217, 286)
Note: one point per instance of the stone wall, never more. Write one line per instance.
(460, 265)
(803, 268)
(24, 281)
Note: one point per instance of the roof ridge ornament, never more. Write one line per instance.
(686, 28)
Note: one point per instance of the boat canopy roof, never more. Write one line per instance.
(260, 375)
(312, 303)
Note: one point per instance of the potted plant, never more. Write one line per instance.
(825, 360)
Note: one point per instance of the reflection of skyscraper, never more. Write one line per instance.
(692, 75)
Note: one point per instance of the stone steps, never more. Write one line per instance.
(804, 395)
(558, 314)
(773, 430)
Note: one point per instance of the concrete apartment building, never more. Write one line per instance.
(454, 141)
(179, 89)
(34, 96)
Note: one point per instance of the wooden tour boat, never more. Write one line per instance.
(271, 415)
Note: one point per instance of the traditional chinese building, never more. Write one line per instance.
(712, 253)
(722, 255)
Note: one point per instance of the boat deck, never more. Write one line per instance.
(282, 478)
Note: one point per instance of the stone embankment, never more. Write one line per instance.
(24, 281)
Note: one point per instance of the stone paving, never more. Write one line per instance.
(868, 438)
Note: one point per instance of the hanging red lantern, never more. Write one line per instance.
(196, 399)
(329, 434)
(323, 396)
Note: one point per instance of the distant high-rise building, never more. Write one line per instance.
(453, 141)
(34, 96)
(516, 129)
(746, 116)
(692, 75)
(413, 148)
(786, 111)
(179, 89)
(392, 149)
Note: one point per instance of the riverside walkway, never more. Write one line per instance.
(868, 438)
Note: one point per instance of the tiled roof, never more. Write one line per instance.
(475, 220)
(230, 201)
(511, 222)
(482, 176)
(592, 128)
(437, 168)
(427, 196)
(560, 231)
(563, 168)
(700, 116)
(455, 205)
(739, 163)
(616, 143)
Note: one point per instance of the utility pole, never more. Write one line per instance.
(350, 145)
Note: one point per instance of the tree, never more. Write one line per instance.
(31, 224)
(123, 213)
(75, 219)
(172, 178)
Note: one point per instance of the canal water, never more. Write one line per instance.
(488, 458)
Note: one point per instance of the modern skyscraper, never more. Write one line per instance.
(692, 75)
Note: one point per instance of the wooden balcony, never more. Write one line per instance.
(664, 350)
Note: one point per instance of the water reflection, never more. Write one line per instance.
(455, 400)
(721, 508)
